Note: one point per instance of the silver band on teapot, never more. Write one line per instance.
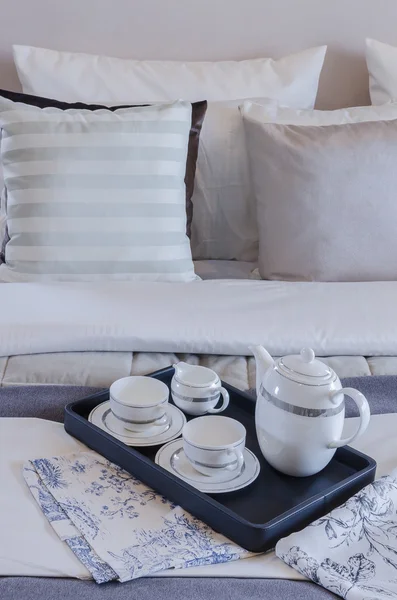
(300, 410)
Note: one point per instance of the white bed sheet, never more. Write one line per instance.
(101, 368)
(203, 317)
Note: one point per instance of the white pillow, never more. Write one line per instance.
(324, 183)
(223, 225)
(266, 111)
(94, 195)
(382, 68)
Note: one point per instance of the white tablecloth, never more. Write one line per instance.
(22, 523)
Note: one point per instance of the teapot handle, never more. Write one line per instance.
(363, 407)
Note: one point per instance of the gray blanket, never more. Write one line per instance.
(47, 402)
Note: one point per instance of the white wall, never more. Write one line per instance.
(206, 29)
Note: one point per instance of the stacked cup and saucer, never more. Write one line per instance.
(138, 412)
(211, 456)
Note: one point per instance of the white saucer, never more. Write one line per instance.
(172, 458)
(102, 417)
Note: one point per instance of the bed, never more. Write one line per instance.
(91, 334)
(344, 82)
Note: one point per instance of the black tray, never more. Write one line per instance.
(256, 517)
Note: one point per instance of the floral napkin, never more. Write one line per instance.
(116, 526)
(352, 551)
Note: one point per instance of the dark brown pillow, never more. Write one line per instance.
(198, 114)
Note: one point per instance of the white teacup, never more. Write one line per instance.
(139, 402)
(213, 444)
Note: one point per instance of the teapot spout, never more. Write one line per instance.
(263, 362)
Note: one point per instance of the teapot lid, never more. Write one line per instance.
(305, 368)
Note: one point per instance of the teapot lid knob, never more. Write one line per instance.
(307, 355)
(305, 368)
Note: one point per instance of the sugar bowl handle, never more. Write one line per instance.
(225, 402)
(363, 407)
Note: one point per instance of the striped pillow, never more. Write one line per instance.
(94, 195)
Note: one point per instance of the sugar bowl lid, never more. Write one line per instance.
(305, 368)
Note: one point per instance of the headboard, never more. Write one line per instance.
(207, 30)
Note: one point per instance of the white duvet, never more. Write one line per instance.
(211, 317)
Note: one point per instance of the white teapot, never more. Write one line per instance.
(300, 411)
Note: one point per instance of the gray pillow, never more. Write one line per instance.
(326, 200)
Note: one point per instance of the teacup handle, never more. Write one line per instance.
(225, 403)
(365, 413)
(240, 460)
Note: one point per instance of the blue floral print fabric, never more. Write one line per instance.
(116, 526)
(352, 551)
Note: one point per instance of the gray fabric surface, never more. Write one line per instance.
(44, 401)
(48, 402)
(380, 391)
(30, 588)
